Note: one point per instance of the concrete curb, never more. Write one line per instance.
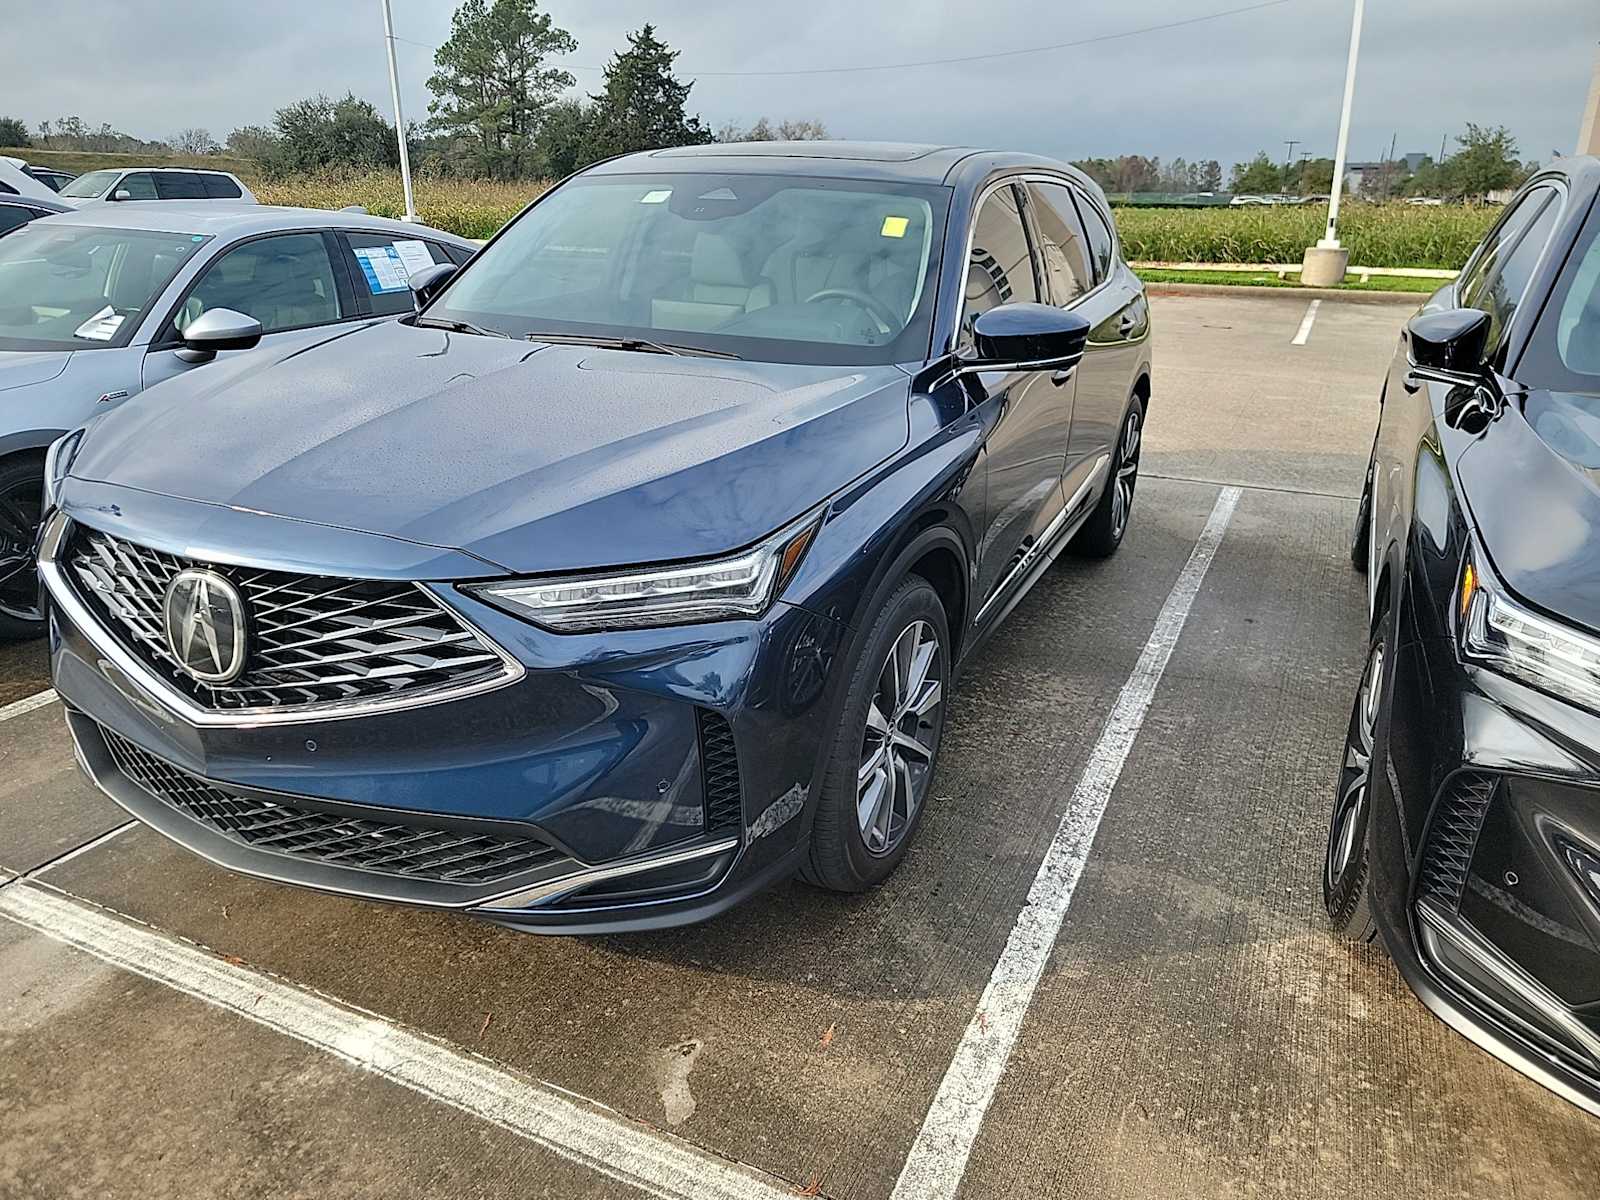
(1287, 293)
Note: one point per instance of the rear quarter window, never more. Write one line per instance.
(220, 187)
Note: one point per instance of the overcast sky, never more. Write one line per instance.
(1221, 88)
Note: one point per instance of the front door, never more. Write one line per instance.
(1026, 414)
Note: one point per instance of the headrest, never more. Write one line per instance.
(716, 262)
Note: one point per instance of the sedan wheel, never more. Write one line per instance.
(1345, 884)
(900, 739)
(21, 499)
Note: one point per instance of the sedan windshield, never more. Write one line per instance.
(90, 186)
(780, 268)
(75, 287)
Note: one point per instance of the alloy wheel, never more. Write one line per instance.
(20, 510)
(1127, 474)
(901, 738)
(1350, 806)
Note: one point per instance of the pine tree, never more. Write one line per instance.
(642, 106)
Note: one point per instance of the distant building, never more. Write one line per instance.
(1355, 172)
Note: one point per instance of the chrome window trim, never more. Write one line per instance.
(65, 599)
(1044, 539)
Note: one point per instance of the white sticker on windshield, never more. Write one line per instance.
(382, 268)
(414, 256)
(101, 327)
(657, 197)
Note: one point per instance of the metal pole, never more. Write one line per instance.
(1330, 240)
(399, 120)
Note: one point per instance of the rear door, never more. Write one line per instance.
(380, 266)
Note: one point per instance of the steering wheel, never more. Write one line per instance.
(880, 312)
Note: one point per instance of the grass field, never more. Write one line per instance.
(1378, 283)
(79, 161)
(1376, 235)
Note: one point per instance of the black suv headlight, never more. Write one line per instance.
(1507, 637)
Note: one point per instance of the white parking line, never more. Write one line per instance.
(28, 703)
(574, 1129)
(1306, 323)
(938, 1157)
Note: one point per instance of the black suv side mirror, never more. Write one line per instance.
(426, 283)
(1026, 337)
(1450, 346)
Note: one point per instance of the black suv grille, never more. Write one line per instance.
(315, 640)
(1457, 818)
(414, 851)
(719, 765)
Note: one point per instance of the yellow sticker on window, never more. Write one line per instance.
(894, 226)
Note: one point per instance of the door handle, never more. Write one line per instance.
(1062, 377)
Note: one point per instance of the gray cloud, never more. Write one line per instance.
(1223, 89)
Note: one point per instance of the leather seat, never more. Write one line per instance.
(718, 290)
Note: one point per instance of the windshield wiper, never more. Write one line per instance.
(643, 345)
(458, 327)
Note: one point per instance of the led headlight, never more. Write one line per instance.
(1501, 634)
(741, 585)
(57, 462)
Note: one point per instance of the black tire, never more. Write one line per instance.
(1361, 535)
(21, 497)
(842, 858)
(1102, 533)
(1346, 873)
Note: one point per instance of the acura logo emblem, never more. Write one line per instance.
(205, 625)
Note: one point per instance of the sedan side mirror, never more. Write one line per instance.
(1449, 347)
(1026, 337)
(427, 283)
(122, 194)
(217, 329)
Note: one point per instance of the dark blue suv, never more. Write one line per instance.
(632, 573)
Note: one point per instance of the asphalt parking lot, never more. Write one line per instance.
(170, 1030)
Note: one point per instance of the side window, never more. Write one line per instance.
(381, 266)
(284, 281)
(1481, 266)
(179, 185)
(1101, 244)
(1000, 269)
(220, 187)
(13, 216)
(1063, 248)
(458, 255)
(138, 185)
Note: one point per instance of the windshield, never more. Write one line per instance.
(75, 287)
(780, 268)
(87, 187)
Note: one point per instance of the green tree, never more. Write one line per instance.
(255, 142)
(564, 138)
(1259, 176)
(1486, 162)
(13, 132)
(318, 132)
(1210, 176)
(492, 87)
(1316, 177)
(642, 106)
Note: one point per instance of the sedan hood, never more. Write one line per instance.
(532, 457)
(1533, 485)
(24, 368)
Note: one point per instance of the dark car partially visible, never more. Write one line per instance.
(1466, 824)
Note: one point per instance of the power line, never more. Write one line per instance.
(944, 62)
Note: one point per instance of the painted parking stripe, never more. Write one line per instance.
(28, 703)
(566, 1125)
(938, 1157)
(1306, 322)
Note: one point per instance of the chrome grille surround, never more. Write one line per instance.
(323, 647)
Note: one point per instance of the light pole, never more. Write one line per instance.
(399, 119)
(1325, 263)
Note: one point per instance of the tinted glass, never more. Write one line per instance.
(139, 186)
(382, 266)
(90, 185)
(14, 215)
(1101, 244)
(1063, 250)
(75, 287)
(179, 185)
(220, 187)
(285, 282)
(999, 270)
(1510, 284)
(1564, 353)
(1482, 265)
(777, 267)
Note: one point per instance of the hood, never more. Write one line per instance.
(24, 368)
(533, 457)
(1535, 477)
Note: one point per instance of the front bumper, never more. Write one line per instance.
(640, 779)
(1481, 899)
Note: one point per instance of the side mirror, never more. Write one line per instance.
(1026, 337)
(122, 194)
(427, 283)
(218, 329)
(1449, 347)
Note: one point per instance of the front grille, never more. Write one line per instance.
(415, 851)
(1457, 817)
(314, 640)
(719, 767)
